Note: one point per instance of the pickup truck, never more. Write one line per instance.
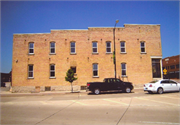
(109, 84)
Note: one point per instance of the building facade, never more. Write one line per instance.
(41, 60)
(171, 64)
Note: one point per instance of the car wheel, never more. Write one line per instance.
(160, 91)
(127, 90)
(96, 91)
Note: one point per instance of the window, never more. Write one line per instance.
(95, 70)
(73, 47)
(30, 71)
(74, 69)
(108, 47)
(172, 66)
(123, 69)
(52, 71)
(143, 47)
(94, 47)
(52, 47)
(122, 46)
(156, 68)
(177, 66)
(31, 48)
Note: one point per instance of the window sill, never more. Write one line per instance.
(52, 53)
(108, 52)
(124, 76)
(31, 54)
(73, 53)
(52, 77)
(123, 53)
(95, 53)
(30, 77)
(95, 76)
(143, 53)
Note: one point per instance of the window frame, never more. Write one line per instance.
(52, 71)
(95, 47)
(97, 70)
(52, 48)
(143, 47)
(123, 47)
(73, 47)
(32, 71)
(108, 47)
(29, 48)
(123, 69)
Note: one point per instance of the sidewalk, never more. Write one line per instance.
(4, 92)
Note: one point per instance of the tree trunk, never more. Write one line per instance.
(71, 88)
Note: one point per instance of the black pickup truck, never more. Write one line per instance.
(109, 84)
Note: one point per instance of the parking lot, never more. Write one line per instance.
(136, 108)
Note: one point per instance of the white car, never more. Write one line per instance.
(160, 86)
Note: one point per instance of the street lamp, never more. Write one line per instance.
(114, 53)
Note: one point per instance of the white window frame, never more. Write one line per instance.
(30, 72)
(95, 47)
(123, 69)
(143, 47)
(108, 47)
(52, 71)
(31, 48)
(95, 70)
(73, 47)
(123, 47)
(53, 48)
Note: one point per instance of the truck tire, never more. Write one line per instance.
(128, 90)
(96, 91)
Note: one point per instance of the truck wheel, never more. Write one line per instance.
(127, 90)
(96, 91)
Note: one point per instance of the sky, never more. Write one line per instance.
(42, 16)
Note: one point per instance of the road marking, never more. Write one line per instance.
(156, 101)
(115, 101)
(170, 97)
(79, 102)
(163, 123)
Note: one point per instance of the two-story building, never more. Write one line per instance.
(41, 60)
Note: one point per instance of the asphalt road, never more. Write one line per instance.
(136, 108)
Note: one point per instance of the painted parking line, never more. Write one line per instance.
(157, 101)
(79, 102)
(115, 102)
(170, 97)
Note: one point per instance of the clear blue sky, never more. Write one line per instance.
(42, 16)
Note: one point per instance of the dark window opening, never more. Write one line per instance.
(156, 68)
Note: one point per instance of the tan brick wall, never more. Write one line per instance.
(139, 66)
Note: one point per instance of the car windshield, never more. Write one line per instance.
(154, 81)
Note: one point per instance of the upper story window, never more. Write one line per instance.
(95, 70)
(108, 47)
(31, 48)
(122, 46)
(142, 45)
(52, 47)
(52, 71)
(73, 47)
(94, 47)
(30, 71)
(123, 69)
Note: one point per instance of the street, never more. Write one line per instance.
(136, 108)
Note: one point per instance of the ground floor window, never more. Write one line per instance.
(123, 69)
(73, 69)
(52, 70)
(156, 68)
(30, 71)
(95, 70)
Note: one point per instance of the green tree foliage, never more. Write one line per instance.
(70, 77)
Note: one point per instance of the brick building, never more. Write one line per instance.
(41, 60)
(171, 64)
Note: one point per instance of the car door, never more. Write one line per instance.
(174, 86)
(166, 85)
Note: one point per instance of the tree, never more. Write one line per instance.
(70, 77)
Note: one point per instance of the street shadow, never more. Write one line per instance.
(110, 92)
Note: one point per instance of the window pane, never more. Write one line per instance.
(72, 50)
(122, 49)
(94, 44)
(30, 68)
(52, 44)
(123, 72)
(108, 50)
(94, 49)
(156, 69)
(30, 74)
(52, 74)
(52, 50)
(123, 66)
(95, 67)
(31, 45)
(122, 44)
(95, 73)
(142, 44)
(52, 67)
(72, 44)
(142, 49)
(108, 44)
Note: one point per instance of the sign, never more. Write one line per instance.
(165, 71)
